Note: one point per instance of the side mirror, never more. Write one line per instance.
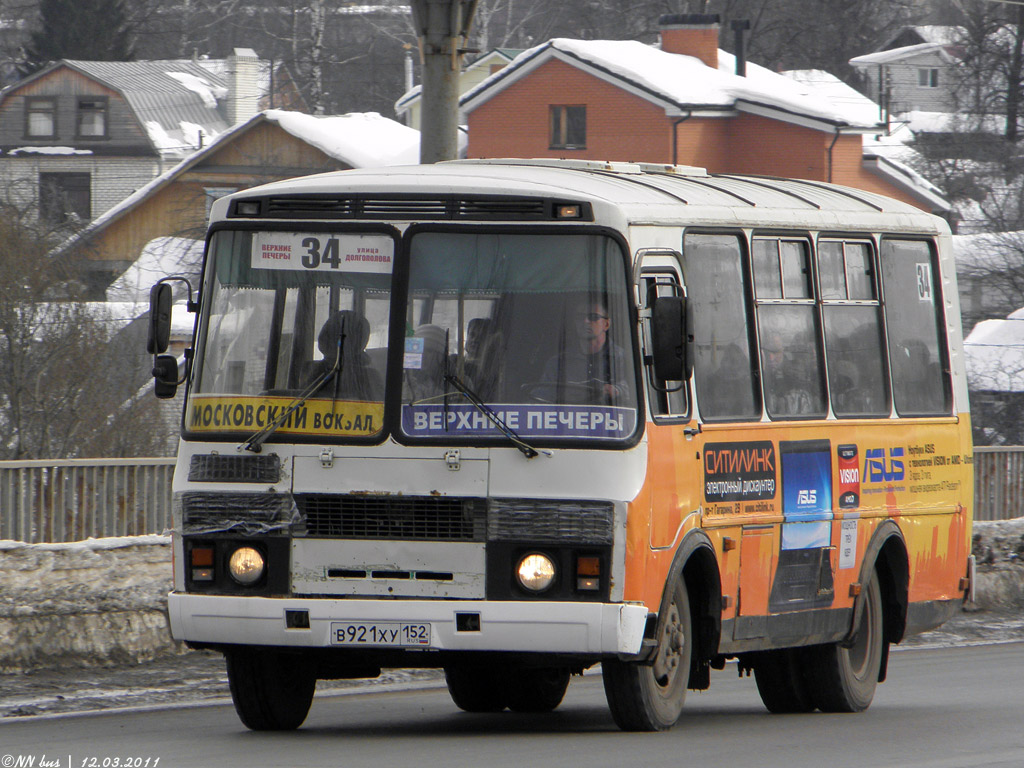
(165, 375)
(160, 299)
(669, 338)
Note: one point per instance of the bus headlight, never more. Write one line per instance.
(246, 565)
(535, 572)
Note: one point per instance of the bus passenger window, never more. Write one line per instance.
(853, 329)
(913, 320)
(717, 289)
(791, 363)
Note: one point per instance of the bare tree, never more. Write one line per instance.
(66, 384)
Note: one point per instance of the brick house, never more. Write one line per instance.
(78, 137)
(684, 103)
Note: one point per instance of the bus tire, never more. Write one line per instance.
(271, 691)
(650, 696)
(476, 689)
(536, 690)
(843, 676)
(780, 681)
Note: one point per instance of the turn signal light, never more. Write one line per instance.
(588, 573)
(201, 561)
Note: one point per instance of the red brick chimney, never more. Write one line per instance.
(691, 34)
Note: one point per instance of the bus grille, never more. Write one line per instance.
(418, 518)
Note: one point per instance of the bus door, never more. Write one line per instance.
(672, 448)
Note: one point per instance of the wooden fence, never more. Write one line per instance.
(76, 499)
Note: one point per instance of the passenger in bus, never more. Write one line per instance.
(728, 392)
(426, 382)
(359, 380)
(592, 368)
(785, 394)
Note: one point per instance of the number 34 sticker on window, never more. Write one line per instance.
(393, 633)
(322, 252)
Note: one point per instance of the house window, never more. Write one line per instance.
(568, 127)
(40, 117)
(64, 197)
(91, 117)
(928, 77)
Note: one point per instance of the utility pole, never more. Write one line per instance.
(442, 27)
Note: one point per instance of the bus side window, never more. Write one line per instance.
(668, 398)
(787, 324)
(853, 329)
(723, 364)
(913, 321)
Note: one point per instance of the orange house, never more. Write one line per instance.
(685, 103)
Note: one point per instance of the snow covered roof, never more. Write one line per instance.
(817, 83)
(359, 139)
(905, 53)
(680, 84)
(994, 352)
(176, 100)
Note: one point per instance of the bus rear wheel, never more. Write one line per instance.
(650, 696)
(843, 676)
(780, 681)
(537, 690)
(476, 689)
(272, 691)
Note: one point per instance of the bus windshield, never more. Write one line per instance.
(535, 326)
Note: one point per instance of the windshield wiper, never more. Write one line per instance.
(528, 450)
(255, 443)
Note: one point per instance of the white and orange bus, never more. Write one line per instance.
(514, 419)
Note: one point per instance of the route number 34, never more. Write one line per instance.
(317, 253)
(924, 282)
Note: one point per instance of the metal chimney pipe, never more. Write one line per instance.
(739, 27)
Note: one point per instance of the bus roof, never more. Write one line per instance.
(631, 193)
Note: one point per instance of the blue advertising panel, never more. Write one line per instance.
(806, 494)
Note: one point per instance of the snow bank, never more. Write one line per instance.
(84, 603)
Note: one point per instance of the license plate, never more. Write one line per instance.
(386, 633)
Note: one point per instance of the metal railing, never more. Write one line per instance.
(77, 499)
(998, 482)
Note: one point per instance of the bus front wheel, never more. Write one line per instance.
(650, 696)
(272, 691)
(843, 676)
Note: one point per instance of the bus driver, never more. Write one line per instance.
(592, 370)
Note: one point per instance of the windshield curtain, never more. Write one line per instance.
(536, 326)
(281, 309)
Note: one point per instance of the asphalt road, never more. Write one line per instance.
(940, 708)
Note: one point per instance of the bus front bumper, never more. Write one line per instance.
(455, 625)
